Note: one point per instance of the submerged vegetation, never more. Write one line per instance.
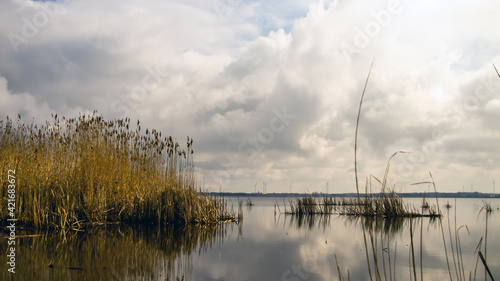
(73, 172)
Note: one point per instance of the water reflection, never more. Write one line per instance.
(267, 247)
(112, 253)
(391, 225)
(308, 221)
(288, 247)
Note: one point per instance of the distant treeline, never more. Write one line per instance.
(409, 195)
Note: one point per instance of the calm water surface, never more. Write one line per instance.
(264, 246)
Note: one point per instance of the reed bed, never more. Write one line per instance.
(386, 205)
(73, 172)
(383, 205)
(308, 206)
(344, 201)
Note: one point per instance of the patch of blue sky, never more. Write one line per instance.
(275, 15)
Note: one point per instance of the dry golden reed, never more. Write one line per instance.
(77, 171)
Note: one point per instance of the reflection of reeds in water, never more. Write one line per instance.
(88, 170)
(392, 226)
(114, 253)
(309, 221)
(380, 231)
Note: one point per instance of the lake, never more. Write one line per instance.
(269, 246)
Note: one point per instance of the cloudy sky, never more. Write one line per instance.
(269, 90)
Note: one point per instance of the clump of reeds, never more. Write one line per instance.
(308, 206)
(425, 204)
(384, 205)
(250, 202)
(344, 201)
(387, 203)
(75, 171)
(486, 207)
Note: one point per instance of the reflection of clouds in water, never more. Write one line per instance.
(245, 260)
(316, 258)
(280, 250)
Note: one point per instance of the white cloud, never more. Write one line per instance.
(188, 68)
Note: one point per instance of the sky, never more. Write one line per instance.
(270, 90)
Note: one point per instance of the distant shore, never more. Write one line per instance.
(404, 195)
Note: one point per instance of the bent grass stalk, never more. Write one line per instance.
(386, 207)
(383, 206)
(356, 167)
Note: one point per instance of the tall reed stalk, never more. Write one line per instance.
(356, 166)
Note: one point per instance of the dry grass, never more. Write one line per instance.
(87, 170)
(308, 206)
(344, 201)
